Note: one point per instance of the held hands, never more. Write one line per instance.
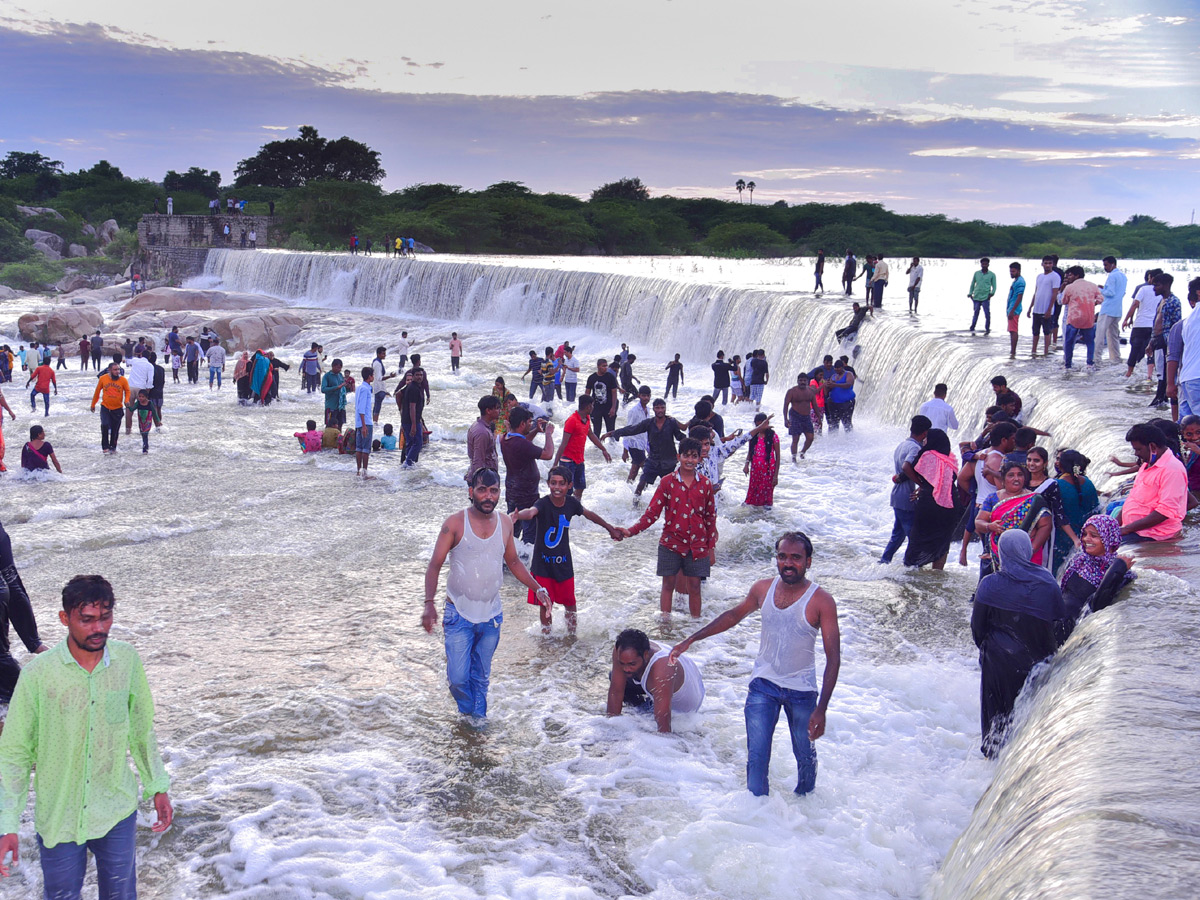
(162, 806)
(623, 532)
(615, 533)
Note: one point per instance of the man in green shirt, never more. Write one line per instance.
(79, 711)
(983, 285)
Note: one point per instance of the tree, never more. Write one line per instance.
(624, 189)
(15, 164)
(746, 237)
(507, 189)
(750, 186)
(194, 179)
(1097, 222)
(297, 161)
(741, 186)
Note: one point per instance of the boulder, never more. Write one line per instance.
(66, 323)
(77, 251)
(240, 333)
(44, 237)
(75, 282)
(47, 251)
(178, 299)
(7, 293)
(40, 211)
(89, 230)
(108, 231)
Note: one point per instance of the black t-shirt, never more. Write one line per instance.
(552, 548)
(604, 389)
(721, 370)
(674, 370)
(413, 395)
(716, 423)
(758, 371)
(521, 476)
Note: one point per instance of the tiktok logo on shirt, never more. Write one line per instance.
(554, 534)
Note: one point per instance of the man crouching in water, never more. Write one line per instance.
(785, 674)
(643, 675)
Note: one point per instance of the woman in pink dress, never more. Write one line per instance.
(762, 465)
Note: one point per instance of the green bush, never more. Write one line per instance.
(34, 276)
(298, 240)
(747, 237)
(123, 247)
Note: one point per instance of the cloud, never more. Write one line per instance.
(1055, 156)
(825, 172)
(277, 127)
(1051, 95)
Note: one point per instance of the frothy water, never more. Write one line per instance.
(314, 748)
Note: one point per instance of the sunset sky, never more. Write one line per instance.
(1004, 111)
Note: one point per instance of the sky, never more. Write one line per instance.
(1009, 111)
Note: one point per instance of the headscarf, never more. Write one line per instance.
(1092, 568)
(937, 465)
(243, 363)
(1021, 586)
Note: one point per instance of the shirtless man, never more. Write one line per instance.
(797, 408)
(642, 674)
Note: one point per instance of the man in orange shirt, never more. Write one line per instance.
(1080, 297)
(115, 390)
(1156, 505)
(41, 378)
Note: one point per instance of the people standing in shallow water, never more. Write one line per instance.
(478, 543)
(762, 465)
(643, 676)
(794, 610)
(940, 504)
(1013, 625)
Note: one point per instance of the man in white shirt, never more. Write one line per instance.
(141, 378)
(1045, 296)
(915, 272)
(402, 350)
(938, 411)
(1141, 315)
(570, 372)
(879, 281)
(378, 385)
(215, 356)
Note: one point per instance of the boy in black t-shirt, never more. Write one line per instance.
(552, 567)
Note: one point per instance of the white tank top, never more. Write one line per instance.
(786, 648)
(690, 694)
(476, 573)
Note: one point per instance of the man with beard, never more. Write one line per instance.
(784, 675)
(79, 711)
(479, 544)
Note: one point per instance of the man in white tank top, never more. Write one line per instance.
(794, 610)
(479, 543)
(642, 673)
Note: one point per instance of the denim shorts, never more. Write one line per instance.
(363, 444)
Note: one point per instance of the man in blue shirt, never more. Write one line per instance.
(1013, 308)
(904, 483)
(364, 427)
(1108, 330)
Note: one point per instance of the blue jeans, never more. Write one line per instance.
(900, 530)
(986, 306)
(214, 372)
(63, 865)
(1071, 334)
(723, 393)
(413, 438)
(469, 651)
(763, 701)
(1189, 397)
(33, 400)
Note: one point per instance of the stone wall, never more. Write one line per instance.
(174, 247)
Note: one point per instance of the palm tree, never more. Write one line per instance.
(750, 186)
(741, 186)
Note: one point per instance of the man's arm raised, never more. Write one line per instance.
(727, 619)
(448, 537)
(831, 641)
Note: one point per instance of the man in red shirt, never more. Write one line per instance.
(687, 548)
(41, 378)
(1080, 297)
(576, 433)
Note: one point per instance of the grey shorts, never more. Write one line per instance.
(672, 563)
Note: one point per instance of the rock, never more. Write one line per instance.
(65, 324)
(74, 282)
(108, 231)
(44, 237)
(40, 211)
(257, 332)
(172, 299)
(47, 251)
(89, 230)
(7, 293)
(77, 251)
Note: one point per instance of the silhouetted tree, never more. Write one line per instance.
(625, 189)
(309, 157)
(741, 186)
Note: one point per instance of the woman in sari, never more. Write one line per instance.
(260, 378)
(1013, 625)
(762, 465)
(1093, 577)
(938, 506)
(1009, 508)
(241, 376)
(1038, 463)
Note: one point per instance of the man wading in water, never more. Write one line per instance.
(479, 543)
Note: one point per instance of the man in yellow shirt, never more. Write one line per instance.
(79, 710)
(112, 392)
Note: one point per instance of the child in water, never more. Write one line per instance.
(330, 437)
(310, 440)
(147, 415)
(347, 442)
(388, 441)
(176, 362)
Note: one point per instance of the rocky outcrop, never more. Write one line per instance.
(44, 237)
(46, 250)
(178, 299)
(89, 230)
(40, 211)
(257, 332)
(7, 293)
(76, 282)
(108, 232)
(77, 251)
(65, 324)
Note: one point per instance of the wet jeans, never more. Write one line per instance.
(900, 531)
(1071, 335)
(63, 865)
(986, 306)
(414, 437)
(763, 701)
(469, 650)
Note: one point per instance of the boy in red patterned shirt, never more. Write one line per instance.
(688, 544)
